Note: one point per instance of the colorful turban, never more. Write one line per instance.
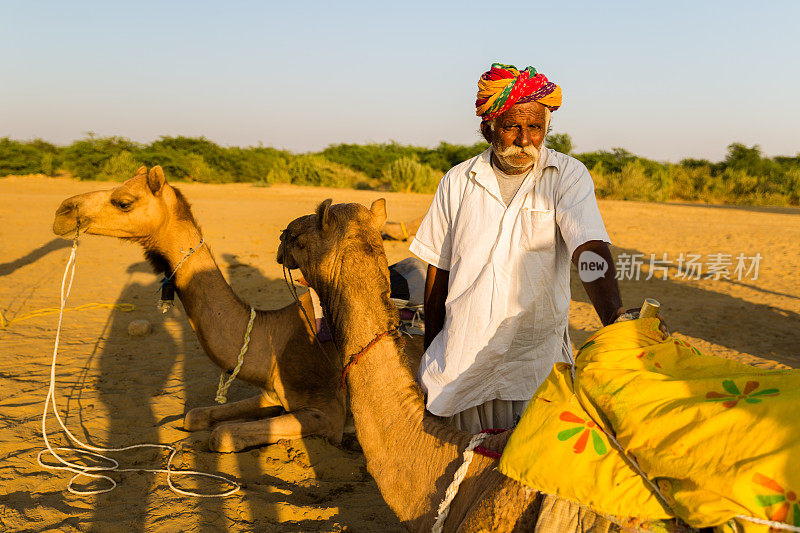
(503, 86)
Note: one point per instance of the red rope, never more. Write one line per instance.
(480, 450)
(486, 452)
(354, 358)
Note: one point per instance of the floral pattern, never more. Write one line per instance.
(584, 430)
(781, 504)
(649, 357)
(731, 397)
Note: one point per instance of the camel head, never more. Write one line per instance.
(137, 210)
(336, 238)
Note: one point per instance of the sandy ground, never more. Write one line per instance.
(119, 390)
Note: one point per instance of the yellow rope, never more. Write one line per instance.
(4, 323)
(405, 232)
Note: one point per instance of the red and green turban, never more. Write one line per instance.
(503, 86)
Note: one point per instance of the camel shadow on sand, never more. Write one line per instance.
(29, 258)
(322, 475)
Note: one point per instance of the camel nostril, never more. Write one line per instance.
(65, 208)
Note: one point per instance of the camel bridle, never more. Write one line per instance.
(167, 286)
(356, 356)
(289, 280)
(353, 359)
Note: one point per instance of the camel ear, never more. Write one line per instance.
(323, 215)
(378, 209)
(142, 170)
(156, 179)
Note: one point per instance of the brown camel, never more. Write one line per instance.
(283, 359)
(412, 454)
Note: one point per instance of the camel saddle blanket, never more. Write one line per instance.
(650, 429)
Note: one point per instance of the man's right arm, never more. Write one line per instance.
(436, 283)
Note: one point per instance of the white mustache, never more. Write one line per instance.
(513, 150)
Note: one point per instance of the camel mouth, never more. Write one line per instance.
(65, 223)
(285, 260)
(279, 254)
(65, 226)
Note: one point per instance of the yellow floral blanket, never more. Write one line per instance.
(715, 438)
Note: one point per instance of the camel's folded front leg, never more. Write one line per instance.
(236, 436)
(260, 406)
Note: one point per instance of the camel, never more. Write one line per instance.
(411, 454)
(283, 359)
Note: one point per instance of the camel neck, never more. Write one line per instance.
(217, 315)
(410, 453)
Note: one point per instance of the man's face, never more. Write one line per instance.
(518, 136)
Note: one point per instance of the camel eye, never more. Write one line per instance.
(292, 239)
(122, 205)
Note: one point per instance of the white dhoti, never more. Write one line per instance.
(494, 414)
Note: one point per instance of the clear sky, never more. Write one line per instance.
(666, 80)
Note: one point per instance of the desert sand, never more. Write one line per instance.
(117, 390)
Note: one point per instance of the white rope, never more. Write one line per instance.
(222, 388)
(452, 490)
(770, 523)
(180, 263)
(92, 471)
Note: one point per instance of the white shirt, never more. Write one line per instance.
(507, 307)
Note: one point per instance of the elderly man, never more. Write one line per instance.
(498, 239)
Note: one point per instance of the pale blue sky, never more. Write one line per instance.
(666, 80)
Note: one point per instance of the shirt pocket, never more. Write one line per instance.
(538, 229)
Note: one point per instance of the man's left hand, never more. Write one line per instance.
(633, 313)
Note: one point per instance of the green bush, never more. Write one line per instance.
(318, 171)
(745, 175)
(264, 165)
(560, 142)
(119, 167)
(407, 174)
(199, 170)
(30, 157)
(689, 182)
(372, 159)
(86, 158)
(793, 186)
(446, 155)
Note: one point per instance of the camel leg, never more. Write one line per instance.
(236, 436)
(259, 406)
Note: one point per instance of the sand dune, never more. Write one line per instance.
(117, 390)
